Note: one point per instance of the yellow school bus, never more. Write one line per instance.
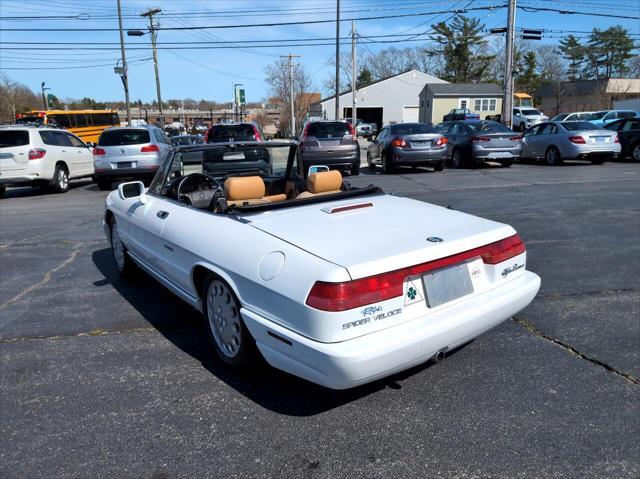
(87, 124)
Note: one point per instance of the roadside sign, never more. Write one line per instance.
(241, 96)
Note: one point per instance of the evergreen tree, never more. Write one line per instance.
(575, 54)
(529, 80)
(364, 78)
(608, 52)
(463, 47)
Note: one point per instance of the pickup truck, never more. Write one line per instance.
(460, 114)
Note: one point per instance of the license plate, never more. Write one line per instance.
(234, 156)
(447, 284)
(424, 143)
(600, 139)
(500, 154)
(125, 164)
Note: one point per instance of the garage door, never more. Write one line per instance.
(410, 114)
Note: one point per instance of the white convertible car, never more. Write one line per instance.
(336, 284)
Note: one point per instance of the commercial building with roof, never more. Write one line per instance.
(436, 100)
(589, 95)
(385, 101)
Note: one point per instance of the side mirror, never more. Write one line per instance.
(132, 189)
(317, 169)
(90, 144)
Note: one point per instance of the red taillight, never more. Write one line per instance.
(99, 152)
(149, 149)
(206, 135)
(256, 133)
(361, 292)
(37, 153)
(398, 142)
(516, 138)
(352, 130)
(305, 131)
(442, 141)
(478, 139)
(577, 139)
(617, 140)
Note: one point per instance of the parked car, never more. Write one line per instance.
(525, 117)
(578, 116)
(557, 141)
(366, 130)
(408, 144)
(129, 153)
(42, 156)
(188, 157)
(471, 142)
(330, 143)
(602, 118)
(276, 263)
(460, 114)
(232, 132)
(629, 136)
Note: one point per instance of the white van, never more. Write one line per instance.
(39, 156)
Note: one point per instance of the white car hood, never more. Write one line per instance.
(390, 234)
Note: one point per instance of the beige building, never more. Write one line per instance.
(589, 95)
(436, 100)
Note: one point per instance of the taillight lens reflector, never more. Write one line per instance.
(149, 149)
(516, 138)
(99, 152)
(617, 140)
(37, 153)
(361, 292)
(442, 141)
(577, 139)
(398, 142)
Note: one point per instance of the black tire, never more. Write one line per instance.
(372, 167)
(522, 127)
(124, 264)
(552, 156)
(60, 181)
(355, 170)
(387, 165)
(232, 342)
(3, 189)
(597, 161)
(439, 166)
(635, 152)
(506, 163)
(104, 185)
(456, 159)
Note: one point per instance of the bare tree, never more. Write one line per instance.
(15, 98)
(277, 76)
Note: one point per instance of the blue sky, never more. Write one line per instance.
(210, 74)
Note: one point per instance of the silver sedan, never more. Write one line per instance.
(556, 141)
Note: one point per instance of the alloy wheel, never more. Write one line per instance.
(636, 153)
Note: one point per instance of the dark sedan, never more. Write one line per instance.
(473, 142)
(408, 144)
(628, 130)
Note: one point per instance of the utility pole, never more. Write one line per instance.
(292, 111)
(354, 114)
(125, 75)
(337, 110)
(45, 102)
(507, 104)
(152, 29)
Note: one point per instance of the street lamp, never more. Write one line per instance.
(45, 103)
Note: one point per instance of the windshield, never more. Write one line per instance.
(488, 127)
(530, 112)
(124, 137)
(412, 128)
(598, 115)
(9, 138)
(224, 133)
(579, 126)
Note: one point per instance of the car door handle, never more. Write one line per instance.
(162, 214)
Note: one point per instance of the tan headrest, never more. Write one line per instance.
(324, 181)
(244, 188)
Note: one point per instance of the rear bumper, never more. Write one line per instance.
(367, 358)
(415, 157)
(480, 153)
(347, 160)
(138, 172)
(590, 151)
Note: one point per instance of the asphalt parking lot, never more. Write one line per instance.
(102, 376)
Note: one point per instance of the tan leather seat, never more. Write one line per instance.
(323, 183)
(248, 190)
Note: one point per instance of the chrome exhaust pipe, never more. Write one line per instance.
(439, 356)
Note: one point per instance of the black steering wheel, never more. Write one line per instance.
(202, 193)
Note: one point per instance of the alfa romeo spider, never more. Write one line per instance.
(337, 284)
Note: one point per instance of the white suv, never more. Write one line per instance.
(40, 156)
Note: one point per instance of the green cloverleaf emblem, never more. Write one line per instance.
(412, 293)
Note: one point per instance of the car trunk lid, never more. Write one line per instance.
(424, 141)
(497, 140)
